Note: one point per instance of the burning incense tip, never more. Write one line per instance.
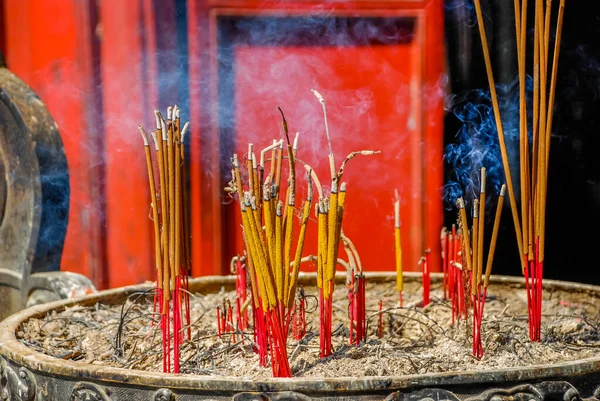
(343, 187)
(178, 112)
(155, 139)
(265, 150)
(397, 214)
(184, 130)
(482, 180)
(163, 124)
(397, 196)
(295, 147)
(175, 112)
(503, 190)
(285, 126)
(157, 117)
(318, 95)
(144, 135)
(460, 203)
(475, 209)
(169, 113)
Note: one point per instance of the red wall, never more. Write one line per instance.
(97, 70)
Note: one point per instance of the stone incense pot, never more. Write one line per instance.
(28, 375)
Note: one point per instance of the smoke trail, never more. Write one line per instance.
(477, 144)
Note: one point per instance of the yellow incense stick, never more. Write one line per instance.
(279, 266)
(398, 247)
(465, 230)
(322, 245)
(331, 234)
(298, 255)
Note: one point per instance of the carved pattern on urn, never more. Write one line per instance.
(164, 394)
(19, 386)
(86, 391)
(555, 390)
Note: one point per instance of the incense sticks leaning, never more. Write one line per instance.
(533, 167)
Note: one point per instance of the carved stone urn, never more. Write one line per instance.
(28, 375)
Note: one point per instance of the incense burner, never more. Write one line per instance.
(26, 374)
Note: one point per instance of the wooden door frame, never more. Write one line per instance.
(207, 231)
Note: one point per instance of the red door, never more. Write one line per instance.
(381, 82)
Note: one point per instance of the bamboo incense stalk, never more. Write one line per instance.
(299, 247)
(481, 228)
(492, 250)
(272, 148)
(268, 295)
(501, 140)
(398, 246)
(254, 284)
(186, 230)
(256, 178)
(278, 166)
(331, 236)
(273, 159)
(291, 194)
(171, 194)
(331, 157)
(523, 137)
(322, 244)
(164, 190)
(347, 242)
(340, 216)
(544, 187)
(541, 140)
(250, 169)
(465, 232)
(177, 203)
(279, 264)
(155, 218)
(269, 226)
(314, 178)
(475, 257)
(538, 51)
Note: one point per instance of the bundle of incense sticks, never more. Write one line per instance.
(474, 259)
(273, 271)
(356, 294)
(172, 257)
(330, 214)
(398, 248)
(269, 250)
(534, 156)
